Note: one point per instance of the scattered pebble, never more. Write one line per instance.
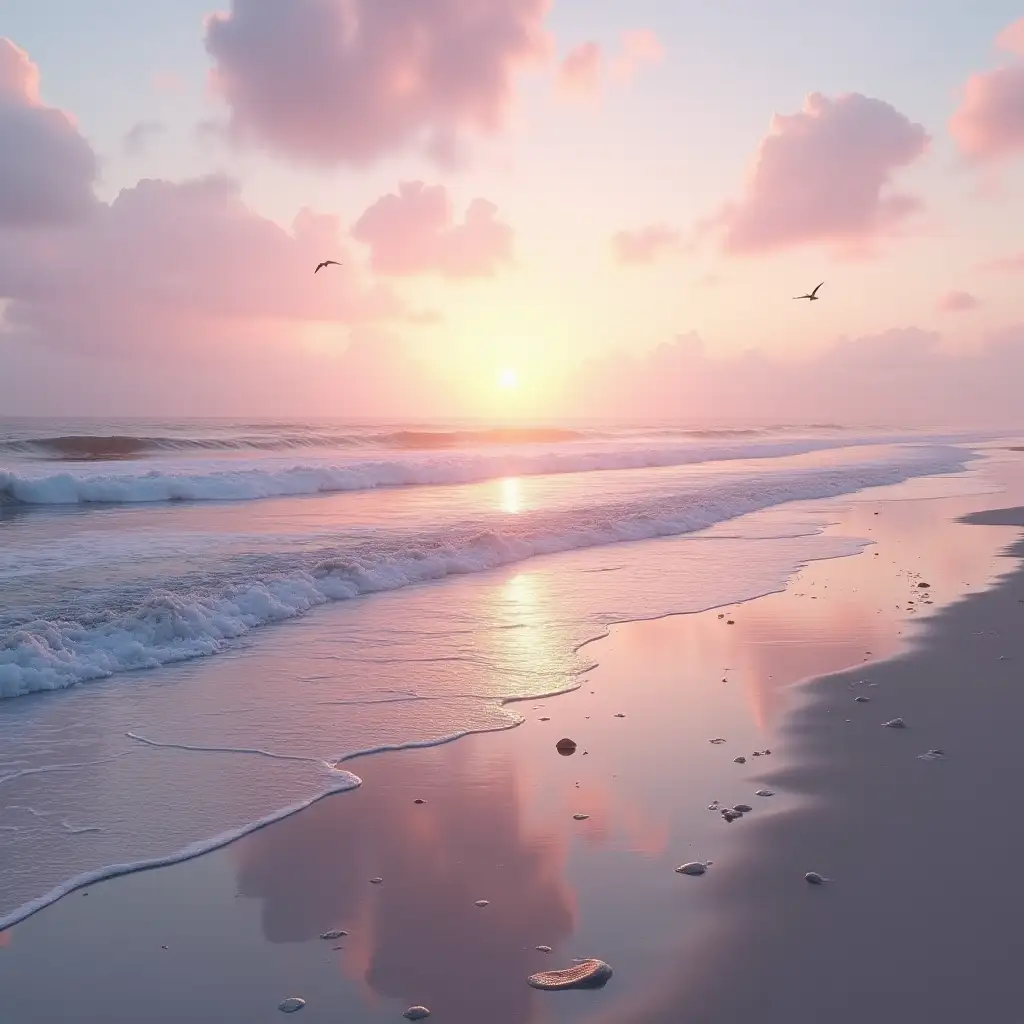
(376, 881)
(620, 715)
(693, 867)
(542, 949)
(932, 755)
(416, 1013)
(739, 760)
(862, 699)
(586, 974)
(895, 723)
(482, 903)
(716, 740)
(334, 933)
(543, 719)
(291, 1004)
(730, 815)
(730, 622)
(743, 808)
(418, 800)
(566, 746)
(814, 878)
(923, 586)
(580, 817)
(765, 792)
(714, 806)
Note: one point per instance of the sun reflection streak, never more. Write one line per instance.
(511, 495)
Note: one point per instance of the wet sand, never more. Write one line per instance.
(917, 924)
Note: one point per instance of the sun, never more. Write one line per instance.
(508, 379)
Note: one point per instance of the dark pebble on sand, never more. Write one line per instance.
(566, 746)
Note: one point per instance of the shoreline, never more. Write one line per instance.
(913, 829)
(569, 703)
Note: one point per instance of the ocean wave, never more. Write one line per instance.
(90, 447)
(269, 480)
(101, 447)
(167, 628)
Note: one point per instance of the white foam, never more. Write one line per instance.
(168, 628)
(345, 781)
(277, 477)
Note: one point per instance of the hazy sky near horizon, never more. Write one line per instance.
(543, 207)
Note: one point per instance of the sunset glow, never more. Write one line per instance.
(551, 192)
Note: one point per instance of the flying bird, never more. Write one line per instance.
(326, 263)
(810, 296)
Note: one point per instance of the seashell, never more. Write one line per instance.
(586, 974)
(765, 792)
(542, 949)
(693, 867)
(291, 1004)
(376, 881)
(814, 878)
(895, 723)
(482, 903)
(416, 1013)
(580, 817)
(334, 933)
(743, 808)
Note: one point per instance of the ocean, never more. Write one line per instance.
(202, 623)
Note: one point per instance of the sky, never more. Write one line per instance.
(542, 208)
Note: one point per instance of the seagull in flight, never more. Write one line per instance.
(810, 296)
(326, 263)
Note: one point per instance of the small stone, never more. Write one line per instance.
(895, 723)
(814, 878)
(291, 1004)
(566, 746)
(416, 1013)
(765, 792)
(743, 808)
(730, 815)
(482, 903)
(862, 699)
(376, 881)
(542, 949)
(544, 719)
(580, 817)
(693, 867)
(924, 586)
(620, 715)
(334, 933)
(418, 800)
(730, 622)
(717, 740)
(739, 760)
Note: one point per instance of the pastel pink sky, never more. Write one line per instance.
(160, 216)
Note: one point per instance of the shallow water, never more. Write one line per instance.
(282, 635)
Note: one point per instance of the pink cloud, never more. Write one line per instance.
(957, 302)
(350, 81)
(414, 231)
(989, 122)
(47, 168)
(1011, 38)
(901, 376)
(1010, 264)
(646, 244)
(579, 75)
(825, 175)
(640, 48)
(171, 268)
(582, 71)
